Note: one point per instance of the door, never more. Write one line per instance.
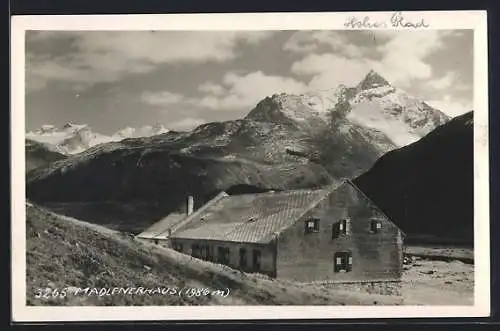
(243, 258)
(256, 259)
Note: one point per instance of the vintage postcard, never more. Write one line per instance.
(285, 165)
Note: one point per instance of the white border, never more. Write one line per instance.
(267, 21)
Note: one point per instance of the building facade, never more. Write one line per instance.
(332, 234)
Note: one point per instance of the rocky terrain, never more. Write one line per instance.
(435, 280)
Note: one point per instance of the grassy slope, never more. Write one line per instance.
(63, 252)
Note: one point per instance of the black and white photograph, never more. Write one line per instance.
(191, 162)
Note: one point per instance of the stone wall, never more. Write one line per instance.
(372, 287)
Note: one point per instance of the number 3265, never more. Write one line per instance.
(49, 293)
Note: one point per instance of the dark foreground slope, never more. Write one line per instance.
(427, 187)
(67, 253)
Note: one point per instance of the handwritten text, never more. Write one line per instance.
(396, 21)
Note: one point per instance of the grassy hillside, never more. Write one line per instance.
(64, 252)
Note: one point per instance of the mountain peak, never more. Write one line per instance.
(74, 127)
(372, 80)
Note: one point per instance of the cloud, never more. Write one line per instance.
(237, 91)
(211, 88)
(449, 81)
(246, 90)
(186, 124)
(404, 54)
(162, 98)
(329, 70)
(105, 56)
(309, 41)
(444, 82)
(452, 106)
(400, 56)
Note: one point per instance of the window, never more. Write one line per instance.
(180, 246)
(342, 262)
(156, 241)
(196, 250)
(206, 253)
(202, 252)
(243, 257)
(177, 246)
(256, 259)
(341, 228)
(312, 225)
(223, 255)
(375, 226)
(210, 253)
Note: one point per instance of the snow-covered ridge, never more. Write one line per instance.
(76, 138)
(373, 103)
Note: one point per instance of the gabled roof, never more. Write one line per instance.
(162, 225)
(166, 226)
(253, 218)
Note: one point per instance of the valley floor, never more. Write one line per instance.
(64, 252)
(429, 282)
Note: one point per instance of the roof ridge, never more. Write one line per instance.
(218, 197)
(312, 205)
(272, 192)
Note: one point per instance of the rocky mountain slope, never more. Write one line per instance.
(285, 142)
(75, 138)
(38, 155)
(427, 187)
(373, 104)
(378, 105)
(70, 255)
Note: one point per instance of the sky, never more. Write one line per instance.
(181, 79)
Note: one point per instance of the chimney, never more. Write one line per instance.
(190, 205)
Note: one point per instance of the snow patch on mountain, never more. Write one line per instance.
(145, 131)
(75, 138)
(373, 104)
(371, 114)
(403, 118)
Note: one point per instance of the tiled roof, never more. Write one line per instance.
(253, 218)
(162, 226)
